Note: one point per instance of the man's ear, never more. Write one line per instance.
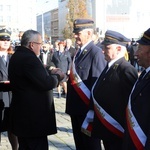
(30, 45)
(118, 48)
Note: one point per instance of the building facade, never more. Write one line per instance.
(17, 15)
(47, 19)
(54, 25)
(126, 16)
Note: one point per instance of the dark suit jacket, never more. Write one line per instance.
(89, 66)
(32, 108)
(111, 92)
(140, 105)
(72, 52)
(5, 97)
(4, 69)
(62, 61)
(4, 77)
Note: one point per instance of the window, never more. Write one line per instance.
(8, 8)
(1, 7)
(1, 19)
(8, 19)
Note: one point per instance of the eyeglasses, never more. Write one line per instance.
(37, 43)
(4, 39)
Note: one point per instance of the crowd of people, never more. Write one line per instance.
(106, 98)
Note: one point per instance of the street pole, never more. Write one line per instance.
(43, 33)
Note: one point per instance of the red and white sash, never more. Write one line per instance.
(78, 85)
(109, 122)
(87, 126)
(137, 135)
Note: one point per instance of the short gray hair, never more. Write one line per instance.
(28, 36)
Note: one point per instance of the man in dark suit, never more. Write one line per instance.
(32, 114)
(110, 92)
(137, 133)
(86, 67)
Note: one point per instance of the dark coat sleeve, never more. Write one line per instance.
(4, 86)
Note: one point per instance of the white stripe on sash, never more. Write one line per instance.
(78, 84)
(136, 133)
(106, 119)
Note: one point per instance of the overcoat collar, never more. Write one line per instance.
(140, 86)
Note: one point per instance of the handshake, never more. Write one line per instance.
(58, 72)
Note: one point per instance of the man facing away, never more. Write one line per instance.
(86, 67)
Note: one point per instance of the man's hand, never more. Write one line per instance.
(59, 72)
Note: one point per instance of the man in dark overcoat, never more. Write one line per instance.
(32, 114)
(110, 92)
(87, 65)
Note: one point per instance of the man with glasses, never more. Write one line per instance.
(32, 109)
(6, 52)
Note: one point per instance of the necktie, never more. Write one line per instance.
(3, 58)
(105, 69)
(104, 72)
(141, 76)
(78, 53)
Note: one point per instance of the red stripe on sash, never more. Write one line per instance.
(79, 90)
(107, 124)
(133, 135)
(90, 127)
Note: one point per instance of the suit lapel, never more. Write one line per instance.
(84, 53)
(140, 86)
(106, 75)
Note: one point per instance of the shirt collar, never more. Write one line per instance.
(3, 54)
(113, 61)
(85, 45)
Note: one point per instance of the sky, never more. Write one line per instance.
(46, 5)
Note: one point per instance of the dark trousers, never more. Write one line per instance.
(1, 109)
(0, 120)
(82, 141)
(35, 143)
(114, 144)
